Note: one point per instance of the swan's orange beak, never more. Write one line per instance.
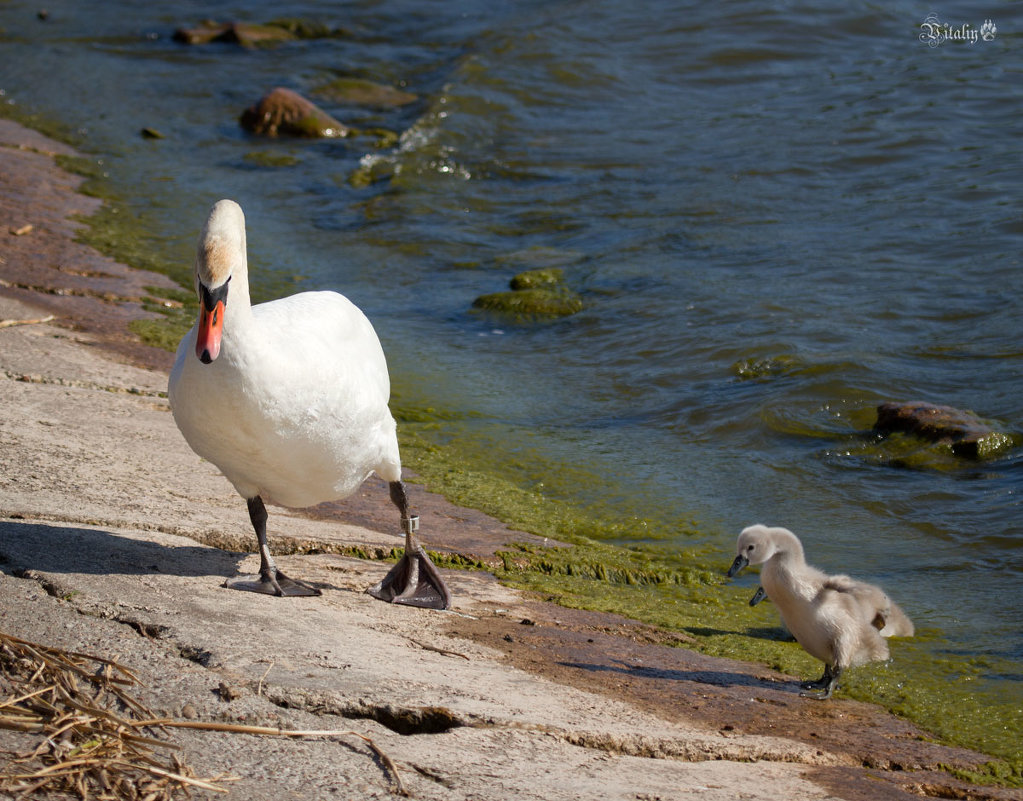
(211, 322)
(211, 326)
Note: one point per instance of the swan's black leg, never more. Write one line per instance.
(270, 581)
(414, 581)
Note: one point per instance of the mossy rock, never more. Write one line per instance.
(908, 452)
(260, 158)
(283, 112)
(956, 431)
(531, 279)
(371, 170)
(252, 34)
(360, 92)
(531, 304)
(246, 34)
(384, 138)
(305, 28)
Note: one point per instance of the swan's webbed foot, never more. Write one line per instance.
(414, 581)
(824, 686)
(269, 580)
(272, 582)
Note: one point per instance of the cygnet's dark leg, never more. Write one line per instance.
(826, 684)
(414, 581)
(270, 581)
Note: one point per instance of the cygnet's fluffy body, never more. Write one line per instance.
(837, 619)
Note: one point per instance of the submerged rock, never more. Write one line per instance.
(283, 112)
(259, 158)
(531, 279)
(361, 92)
(963, 432)
(252, 34)
(535, 294)
(531, 304)
(540, 257)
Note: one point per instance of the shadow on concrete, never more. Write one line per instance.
(717, 678)
(48, 548)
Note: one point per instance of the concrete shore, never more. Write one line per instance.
(115, 540)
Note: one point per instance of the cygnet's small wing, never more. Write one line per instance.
(855, 636)
(873, 606)
(897, 624)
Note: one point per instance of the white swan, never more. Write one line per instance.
(837, 619)
(289, 400)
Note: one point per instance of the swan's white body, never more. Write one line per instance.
(837, 619)
(294, 408)
(289, 400)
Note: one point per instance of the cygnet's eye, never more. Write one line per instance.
(750, 548)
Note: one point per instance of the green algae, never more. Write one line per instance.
(371, 171)
(541, 277)
(535, 294)
(528, 305)
(361, 92)
(41, 123)
(904, 450)
(264, 158)
(686, 591)
(166, 332)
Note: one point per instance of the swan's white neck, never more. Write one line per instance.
(221, 258)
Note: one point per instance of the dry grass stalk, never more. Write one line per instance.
(94, 752)
(87, 748)
(270, 731)
(9, 323)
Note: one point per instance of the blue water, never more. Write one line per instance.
(811, 189)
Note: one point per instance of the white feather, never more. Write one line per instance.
(294, 408)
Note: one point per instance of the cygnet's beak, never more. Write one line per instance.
(739, 563)
(211, 321)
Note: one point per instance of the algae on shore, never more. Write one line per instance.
(686, 591)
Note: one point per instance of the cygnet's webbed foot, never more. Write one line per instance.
(824, 686)
(414, 581)
(272, 582)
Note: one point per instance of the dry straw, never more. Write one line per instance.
(88, 749)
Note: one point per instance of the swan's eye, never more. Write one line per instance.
(750, 548)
